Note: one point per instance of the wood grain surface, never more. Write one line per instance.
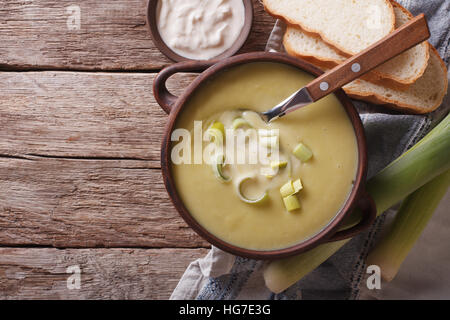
(88, 203)
(83, 114)
(80, 134)
(41, 273)
(113, 35)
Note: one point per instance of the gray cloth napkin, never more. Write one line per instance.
(220, 275)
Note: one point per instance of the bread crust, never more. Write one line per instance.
(375, 75)
(321, 35)
(398, 105)
(370, 76)
(391, 103)
(424, 44)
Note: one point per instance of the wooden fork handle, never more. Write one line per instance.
(402, 39)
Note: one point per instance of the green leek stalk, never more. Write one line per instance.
(426, 160)
(429, 158)
(408, 224)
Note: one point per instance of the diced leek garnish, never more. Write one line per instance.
(238, 123)
(426, 160)
(218, 169)
(215, 135)
(302, 152)
(287, 189)
(278, 164)
(219, 126)
(297, 184)
(241, 195)
(291, 202)
(291, 187)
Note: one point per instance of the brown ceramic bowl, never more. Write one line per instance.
(335, 230)
(158, 41)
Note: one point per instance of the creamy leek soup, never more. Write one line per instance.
(275, 203)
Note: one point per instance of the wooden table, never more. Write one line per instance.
(80, 131)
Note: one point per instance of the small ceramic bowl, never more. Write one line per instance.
(160, 44)
(334, 231)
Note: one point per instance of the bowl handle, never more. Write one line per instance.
(166, 99)
(368, 210)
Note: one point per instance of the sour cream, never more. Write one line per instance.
(200, 29)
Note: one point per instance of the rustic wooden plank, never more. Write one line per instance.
(88, 203)
(113, 35)
(82, 114)
(40, 273)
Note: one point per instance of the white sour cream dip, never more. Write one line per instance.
(200, 29)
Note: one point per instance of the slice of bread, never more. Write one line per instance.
(348, 25)
(404, 69)
(424, 96)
